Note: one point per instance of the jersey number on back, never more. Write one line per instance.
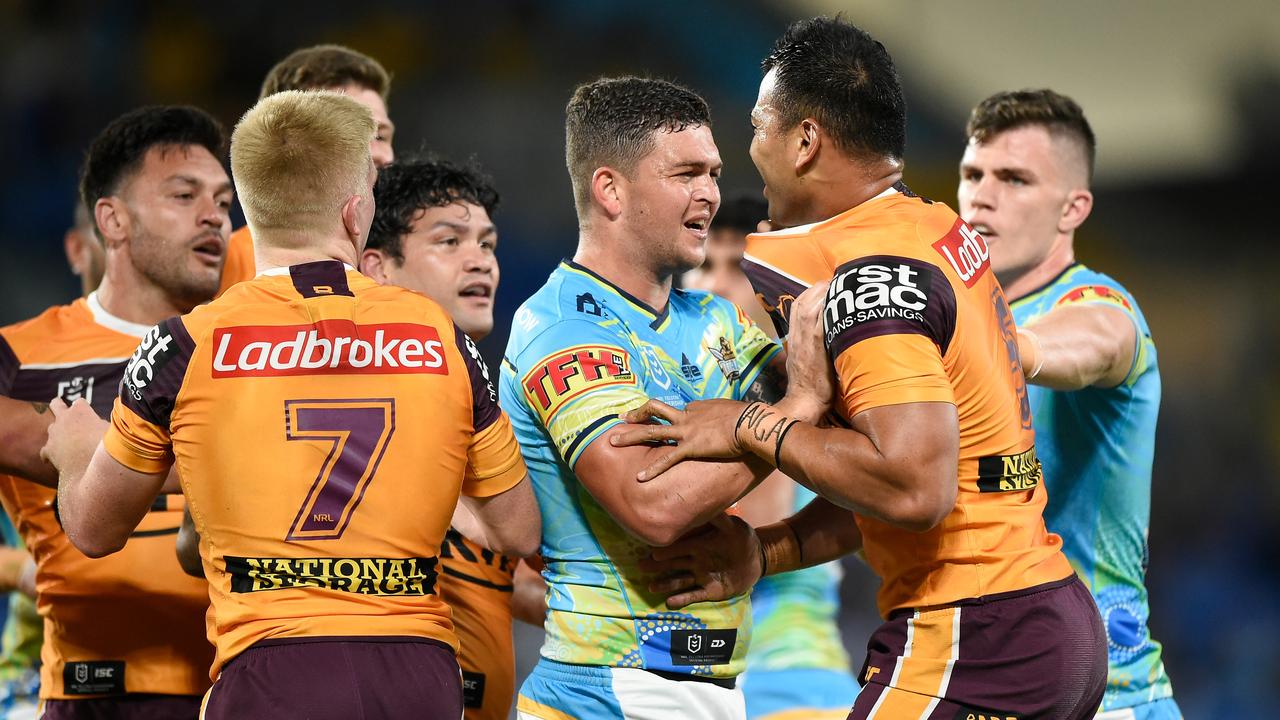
(357, 432)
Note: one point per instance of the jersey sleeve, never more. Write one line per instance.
(753, 349)
(9, 365)
(887, 323)
(494, 464)
(1099, 293)
(138, 436)
(576, 378)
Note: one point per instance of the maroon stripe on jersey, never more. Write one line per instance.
(154, 374)
(484, 394)
(320, 278)
(8, 367)
(888, 295)
(776, 290)
(95, 383)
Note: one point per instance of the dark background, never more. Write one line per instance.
(1185, 100)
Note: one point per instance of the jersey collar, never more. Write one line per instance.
(111, 322)
(658, 316)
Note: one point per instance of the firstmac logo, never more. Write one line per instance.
(329, 347)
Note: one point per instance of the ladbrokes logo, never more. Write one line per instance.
(330, 347)
(366, 576)
(966, 252)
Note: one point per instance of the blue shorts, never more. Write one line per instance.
(1164, 709)
(798, 693)
(556, 691)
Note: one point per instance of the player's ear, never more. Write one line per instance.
(73, 242)
(352, 222)
(1075, 210)
(373, 265)
(808, 140)
(113, 221)
(607, 191)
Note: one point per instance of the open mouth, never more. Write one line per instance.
(478, 290)
(984, 230)
(209, 250)
(699, 225)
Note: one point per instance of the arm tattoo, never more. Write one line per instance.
(40, 408)
(769, 386)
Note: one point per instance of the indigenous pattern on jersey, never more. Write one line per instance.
(581, 352)
(477, 583)
(19, 646)
(323, 426)
(914, 314)
(1097, 446)
(238, 263)
(797, 662)
(132, 621)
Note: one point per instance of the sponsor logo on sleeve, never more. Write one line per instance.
(1009, 473)
(155, 350)
(873, 297)
(702, 647)
(569, 373)
(966, 252)
(1095, 293)
(474, 352)
(329, 347)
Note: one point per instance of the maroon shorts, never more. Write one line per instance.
(135, 706)
(1035, 653)
(339, 678)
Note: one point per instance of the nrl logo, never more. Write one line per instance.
(726, 359)
(695, 644)
(75, 389)
(82, 673)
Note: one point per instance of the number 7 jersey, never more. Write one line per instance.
(323, 427)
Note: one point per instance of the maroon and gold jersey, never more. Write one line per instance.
(130, 622)
(477, 584)
(914, 314)
(323, 427)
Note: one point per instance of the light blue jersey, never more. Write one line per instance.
(1096, 446)
(583, 351)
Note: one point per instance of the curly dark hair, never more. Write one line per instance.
(118, 151)
(836, 73)
(326, 66)
(611, 122)
(407, 187)
(1057, 113)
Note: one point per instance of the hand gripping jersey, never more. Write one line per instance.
(914, 314)
(1097, 445)
(132, 621)
(581, 352)
(477, 583)
(323, 427)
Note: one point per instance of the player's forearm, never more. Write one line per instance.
(24, 428)
(689, 495)
(909, 488)
(819, 533)
(529, 596)
(1077, 347)
(509, 522)
(101, 502)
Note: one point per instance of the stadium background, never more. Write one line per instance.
(1184, 97)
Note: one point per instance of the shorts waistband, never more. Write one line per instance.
(985, 599)
(602, 676)
(360, 639)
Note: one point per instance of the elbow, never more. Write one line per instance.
(523, 543)
(95, 546)
(660, 524)
(923, 510)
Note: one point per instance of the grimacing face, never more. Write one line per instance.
(671, 197)
(1013, 190)
(178, 205)
(449, 257)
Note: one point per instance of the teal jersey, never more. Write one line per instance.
(1097, 446)
(794, 617)
(581, 352)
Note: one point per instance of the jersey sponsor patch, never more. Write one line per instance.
(702, 647)
(93, 677)
(966, 252)
(472, 689)
(155, 351)
(1095, 293)
(329, 347)
(887, 295)
(1009, 473)
(365, 576)
(559, 378)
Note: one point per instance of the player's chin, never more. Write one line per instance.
(476, 323)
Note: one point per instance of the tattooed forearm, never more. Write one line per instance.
(41, 408)
(770, 385)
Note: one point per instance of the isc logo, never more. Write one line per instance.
(966, 251)
(330, 347)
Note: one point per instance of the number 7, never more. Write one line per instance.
(357, 432)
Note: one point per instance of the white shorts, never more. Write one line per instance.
(557, 691)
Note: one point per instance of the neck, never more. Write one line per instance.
(847, 185)
(270, 254)
(127, 295)
(649, 286)
(1061, 256)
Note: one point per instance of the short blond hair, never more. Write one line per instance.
(297, 156)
